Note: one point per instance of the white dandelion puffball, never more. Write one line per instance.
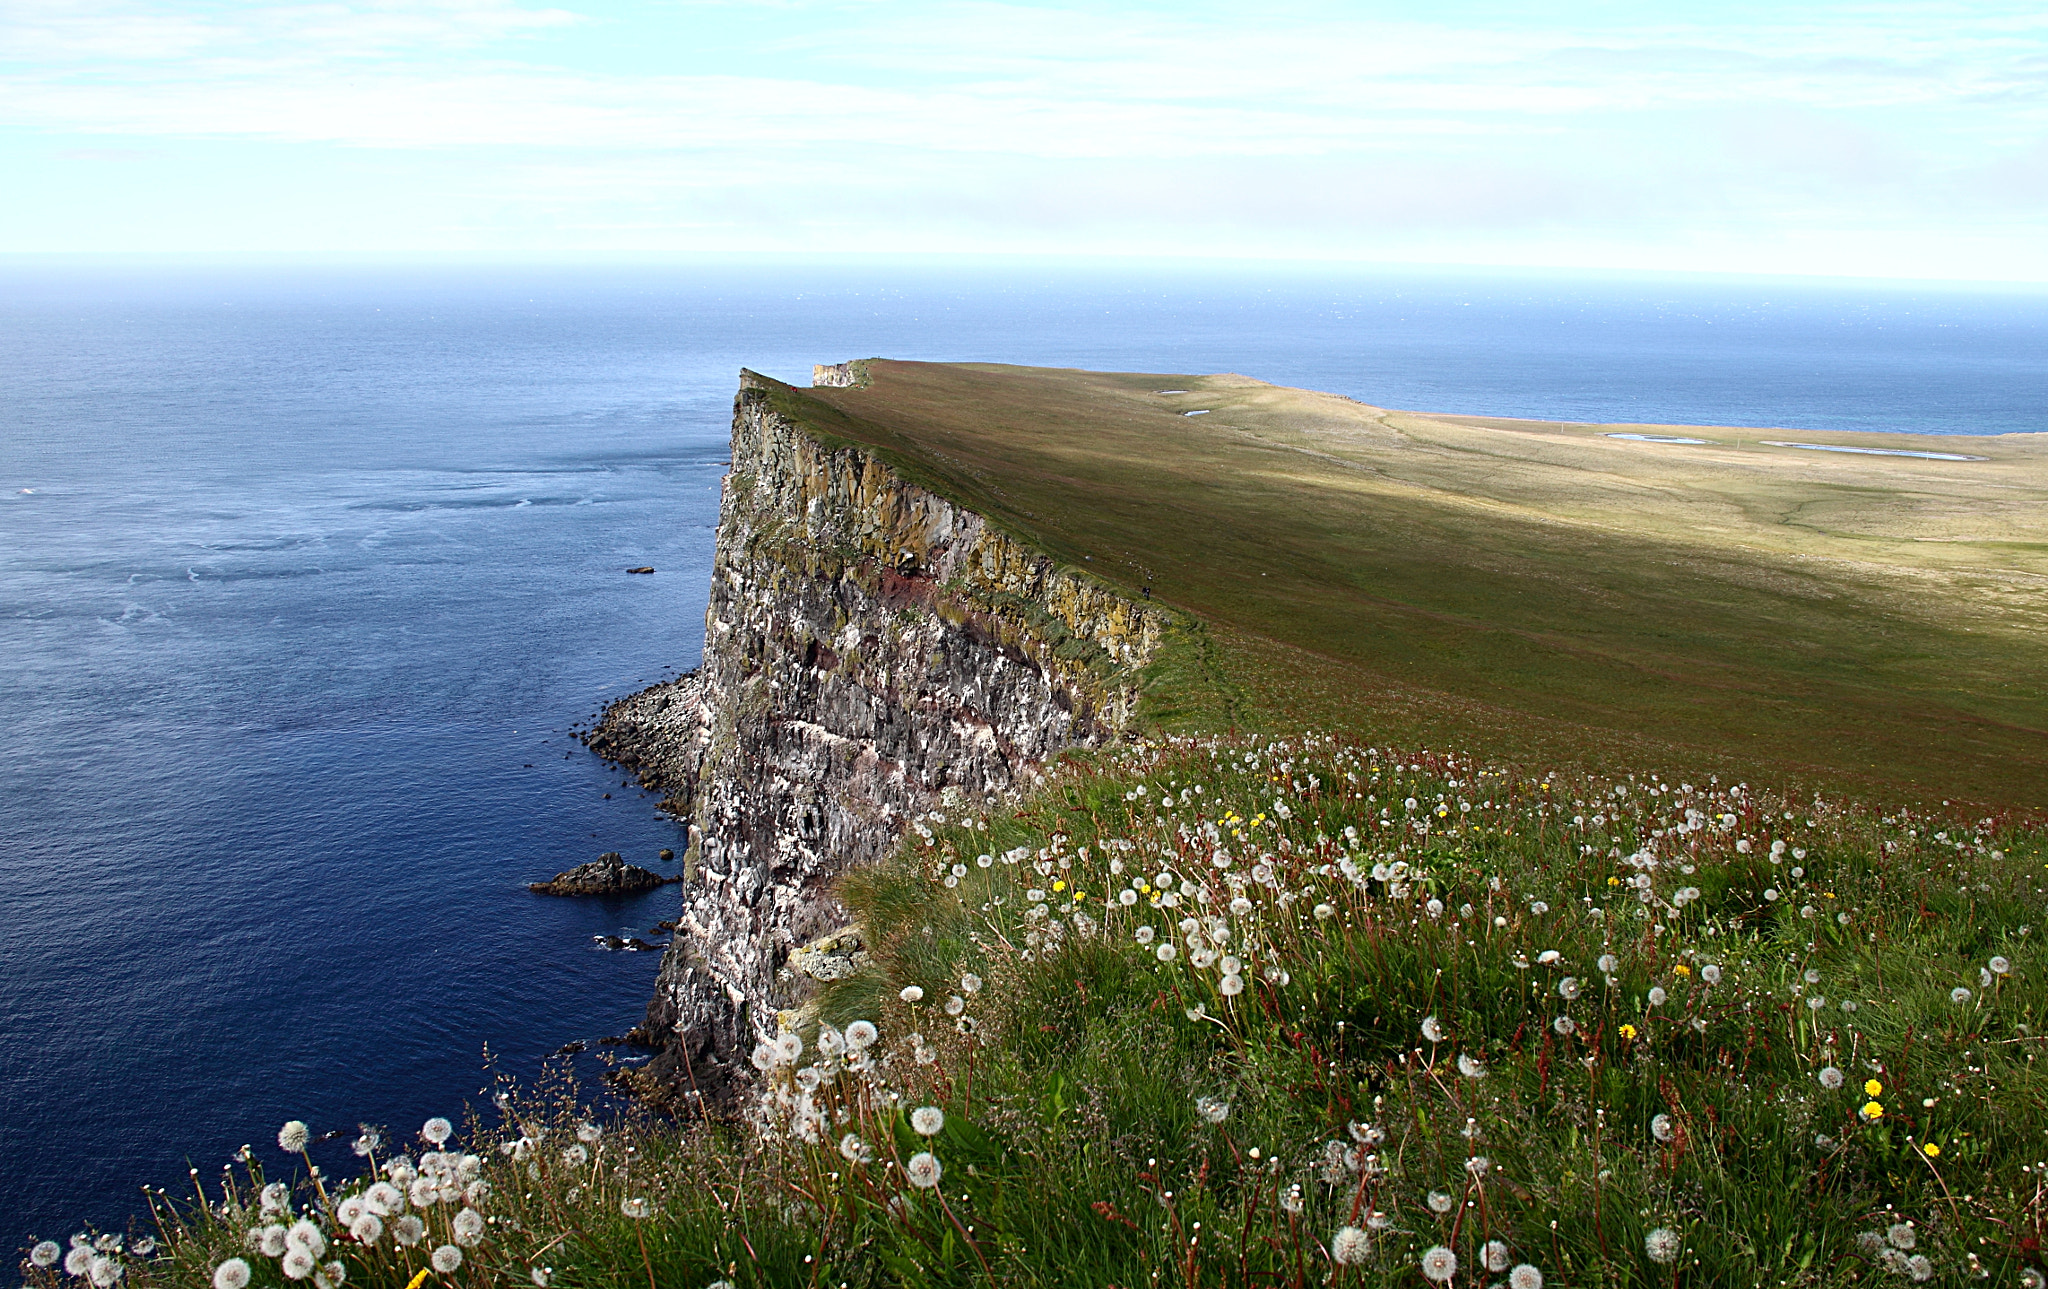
(927, 1120)
(955, 1004)
(292, 1138)
(383, 1199)
(1442, 1201)
(1431, 1030)
(1662, 1245)
(437, 1130)
(269, 1241)
(1607, 963)
(298, 1264)
(1663, 1129)
(1711, 974)
(912, 994)
(79, 1260)
(331, 1275)
(1165, 952)
(1525, 1277)
(541, 1276)
(1568, 988)
(469, 1227)
(575, 1156)
(1565, 1025)
(1959, 995)
(588, 1133)
(408, 1230)
(368, 1228)
(1230, 986)
(1146, 934)
(1477, 1165)
(232, 1274)
(447, 1258)
(861, 1034)
(923, 1170)
(1919, 1267)
(788, 1047)
(45, 1255)
(102, 1272)
(1831, 1079)
(970, 983)
(2031, 1278)
(1212, 1109)
(1900, 1235)
(1324, 912)
(854, 1149)
(305, 1235)
(274, 1196)
(1439, 1264)
(2001, 966)
(1471, 1069)
(1657, 996)
(1494, 1255)
(1350, 1246)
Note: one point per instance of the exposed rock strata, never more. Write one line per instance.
(871, 651)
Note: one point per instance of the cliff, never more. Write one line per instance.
(872, 651)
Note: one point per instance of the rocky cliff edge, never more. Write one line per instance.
(872, 651)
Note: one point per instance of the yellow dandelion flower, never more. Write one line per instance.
(1079, 896)
(1059, 886)
(1933, 1151)
(1682, 969)
(1627, 1031)
(1614, 881)
(1873, 1111)
(1873, 1089)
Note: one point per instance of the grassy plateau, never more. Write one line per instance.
(1552, 858)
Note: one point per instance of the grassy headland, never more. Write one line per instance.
(1276, 996)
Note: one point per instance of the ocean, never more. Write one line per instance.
(305, 574)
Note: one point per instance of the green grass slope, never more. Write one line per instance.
(1533, 590)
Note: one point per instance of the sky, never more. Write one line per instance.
(1874, 140)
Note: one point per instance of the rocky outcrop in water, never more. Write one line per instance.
(608, 874)
(872, 651)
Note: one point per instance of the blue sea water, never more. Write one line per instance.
(305, 574)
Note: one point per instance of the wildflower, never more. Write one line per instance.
(304, 1235)
(45, 1254)
(1568, 988)
(911, 994)
(923, 1170)
(633, 1206)
(469, 1227)
(1711, 974)
(1494, 1255)
(2031, 1278)
(1959, 995)
(1873, 1088)
(927, 1120)
(1350, 1246)
(408, 1230)
(273, 1197)
(588, 1133)
(1470, 1068)
(1212, 1109)
(79, 1260)
(1919, 1267)
(297, 1265)
(854, 1149)
(1565, 1025)
(2001, 966)
(1431, 1030)
(447, 1258)
(970, 983)
(1831, 1079)
(1525, 1277)
(1663, 1129)
(232, 1274)
(1439, 1264)
(861, 1034)
(292, 1138)
(1607, 963)
(1442, 1201)
(1626, 1031)
(1292, 1201)
(1931, 1150)
(1477, 1165)
(368, 1228)
(1658, 996)
(1872, 1111)
(575, 1156)
(1662, 1245)
(1900, 1235)
(437, 1130)
(1165, 953)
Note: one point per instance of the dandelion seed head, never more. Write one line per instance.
(922, 1170)
(1607, 964)
(1442, 1201)
(1349, 1246)
(232, 1274)
(2002, 966)
(1831, 1078)
(1959, 995)
(1470, 1068)
(861, 1034)
(1711, 974)
(927, 1120)
(447, 1258)
(1494, 1255)
(1212, 1109)
(468, 1227)
(292, 1138)
(1663, 1128)
(1525, 1276)
(368, 1228)
(1901, 1235)
(1662, 1245)
(46, 1254)
(297, 1264)
(1432, 1030)
(1919, 1267)
(1439, 1264)
(408, 1230)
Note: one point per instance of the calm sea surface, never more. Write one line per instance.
(303, 575)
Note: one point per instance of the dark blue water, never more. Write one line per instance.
(304, 575)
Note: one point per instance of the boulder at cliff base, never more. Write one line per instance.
(608, 874)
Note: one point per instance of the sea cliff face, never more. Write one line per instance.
(872, 651)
